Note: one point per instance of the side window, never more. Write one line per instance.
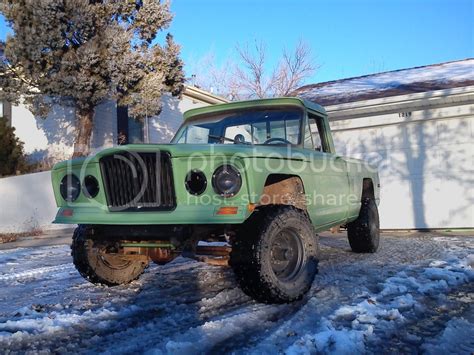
(6, 111)
(317, 133)
(308, 138)
(313, 127)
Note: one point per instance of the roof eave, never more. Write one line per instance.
(203, 96)
(401, 102)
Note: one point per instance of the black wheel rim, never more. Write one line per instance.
(287, 255)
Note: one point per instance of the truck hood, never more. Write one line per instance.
(186, 150)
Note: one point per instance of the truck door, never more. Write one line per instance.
(329, 202)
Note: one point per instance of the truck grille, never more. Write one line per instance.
(138, 181)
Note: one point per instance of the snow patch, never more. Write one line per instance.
(36, 272)
(330, 341)
(456, 338)
(349, 326)
(34, 322)
(204, 338)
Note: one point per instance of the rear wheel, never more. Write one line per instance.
(275, 255)
(99, 262)
(363, 233)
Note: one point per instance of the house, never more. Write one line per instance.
(417, 124)
(51, 139)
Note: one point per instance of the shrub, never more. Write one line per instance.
(12, 157)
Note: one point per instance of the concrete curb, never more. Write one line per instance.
(48, 238)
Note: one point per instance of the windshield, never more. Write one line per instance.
(262, 126)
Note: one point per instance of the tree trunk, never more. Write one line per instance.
(84, 125)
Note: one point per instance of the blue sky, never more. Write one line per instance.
(348, 38)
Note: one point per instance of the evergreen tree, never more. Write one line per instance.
(85, 51)
(11, 151)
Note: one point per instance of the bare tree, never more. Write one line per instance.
(250, 77)
(293, 70)
(206, 74)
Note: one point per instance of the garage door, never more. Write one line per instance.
(425, 164)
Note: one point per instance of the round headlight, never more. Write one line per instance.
(195, 182)
(226, 181)
(70, 187)
(90, 186)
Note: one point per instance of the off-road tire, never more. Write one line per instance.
(253, 254)
(94, 268)
(363, 233)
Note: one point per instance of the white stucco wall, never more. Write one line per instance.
(53, 136)
(27, 203)
(425, 163)
(45, 138)
(163, 127)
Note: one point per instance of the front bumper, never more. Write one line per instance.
(181, 215)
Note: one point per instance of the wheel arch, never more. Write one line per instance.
(283, 189)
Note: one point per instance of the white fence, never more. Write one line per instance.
(27, 203)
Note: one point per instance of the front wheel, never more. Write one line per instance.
(363, 233)
(274, 257)
(98, 262)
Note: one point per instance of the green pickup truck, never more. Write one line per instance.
(261, 177)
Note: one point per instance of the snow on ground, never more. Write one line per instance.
(415, 295)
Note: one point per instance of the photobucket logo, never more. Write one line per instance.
(199, 161)
(308, 200)
(287, 159)
(133, 179)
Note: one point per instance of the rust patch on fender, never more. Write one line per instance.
(287, 191)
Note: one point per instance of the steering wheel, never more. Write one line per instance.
(271, 140)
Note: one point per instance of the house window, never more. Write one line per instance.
(129, 130)
(6, 111)
(135, 130)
